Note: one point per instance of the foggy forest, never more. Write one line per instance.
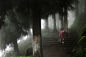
(42, 28)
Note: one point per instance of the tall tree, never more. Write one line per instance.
(37, 40)
(38, 9)
(61, 16)
(85, 6)
(65, 20)
(54, 17)
(60, 11)
(76, 9)
(14, 28)
(57, 16)
(8, 36)
(47, 27)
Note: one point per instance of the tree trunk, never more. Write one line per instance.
(57, 21)
(61, 18)
(47, 27)
(85, 6)
(37, 40)
(30, 23)
(76, 10)
(65, 21)
(54, 22)
(16, 50)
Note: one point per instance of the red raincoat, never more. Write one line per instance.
(60, 35)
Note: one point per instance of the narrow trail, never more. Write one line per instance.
(55, 52)
(52, 48)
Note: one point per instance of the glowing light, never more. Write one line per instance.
(25, 37)
(51, 25)
(8, 47)
(71, 18)
(1, 53)
(31, 30)
(42, 24)
(18, 41)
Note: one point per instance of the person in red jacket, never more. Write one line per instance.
(62, 35)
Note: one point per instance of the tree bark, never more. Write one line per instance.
(85, 6)
(57, 21)
(61, 18)
(65, 21)
(37, 40)
(54, 22)
(16, 50)
(47, 27)
(76, 10)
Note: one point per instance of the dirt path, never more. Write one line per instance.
(54, 51)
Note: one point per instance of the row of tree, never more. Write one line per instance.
(27, 10)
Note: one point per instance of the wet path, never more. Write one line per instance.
(52, 48)
(55, 52)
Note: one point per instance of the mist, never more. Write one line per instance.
(17, 25)
(71, 18)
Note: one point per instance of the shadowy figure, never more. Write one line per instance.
(62, 35)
